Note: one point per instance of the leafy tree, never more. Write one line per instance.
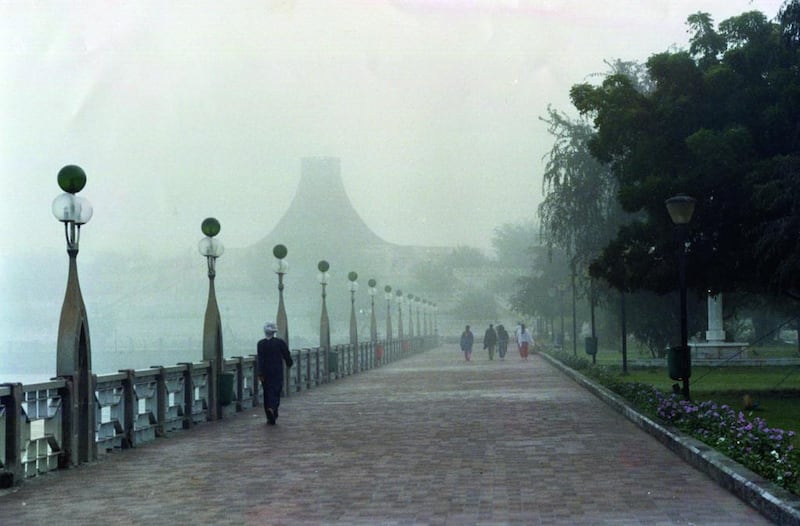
(653, 319)
(722, 123)
(707, 45)
(514, 244)
(515, 254)
(475, 306)
(789, 16)
(466, 257)
(433, 276)
(535, 293)
(580, 212)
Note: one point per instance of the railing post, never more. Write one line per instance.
(287, 378)
(299, 366)
(308, 368)
(69, 438)
(256, 383)
(92, 419)
(161, 400)
(239, 383)
(128, 412)
(318, 374)
(12, 470)
(188, 395)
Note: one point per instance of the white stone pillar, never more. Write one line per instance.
(715, 332)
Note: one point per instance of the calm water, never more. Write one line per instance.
(28, 364)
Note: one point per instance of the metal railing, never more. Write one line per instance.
(134, 407)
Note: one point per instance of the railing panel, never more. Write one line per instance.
(110, 412)
(199, 405)
(145, 419)
(304, 370)
(175, 396)
(41, 427)
(248, 383)
(3, 431)
(135, 407)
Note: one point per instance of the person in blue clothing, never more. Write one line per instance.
(272, 353)
(502, 341)
(466, 343)
(490, 340)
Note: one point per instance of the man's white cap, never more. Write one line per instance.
(270, 327)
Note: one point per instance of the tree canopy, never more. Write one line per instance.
(719, 122)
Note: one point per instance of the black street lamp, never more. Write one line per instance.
(281, 267)
(73, 349)
(212, 248)
(681, 208)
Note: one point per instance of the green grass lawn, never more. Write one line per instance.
(775, 390)
(773, 393)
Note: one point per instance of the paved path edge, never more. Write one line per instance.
(772, 501)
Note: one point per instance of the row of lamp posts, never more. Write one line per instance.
(73, 356)
(73, 348)
(75, 211)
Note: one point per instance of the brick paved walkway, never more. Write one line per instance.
(427, 440)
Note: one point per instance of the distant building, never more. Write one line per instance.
(321, 223)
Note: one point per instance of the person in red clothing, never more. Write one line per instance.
(524, 341)
(272, 353)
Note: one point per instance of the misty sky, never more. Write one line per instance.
(182, 110)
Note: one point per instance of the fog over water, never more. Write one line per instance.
(182, 110)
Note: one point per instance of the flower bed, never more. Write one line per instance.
(748, 441)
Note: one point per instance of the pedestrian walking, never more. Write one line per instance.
(272, 353)
(490, 340)
(466, 343)
(524, 341)
(502, 341)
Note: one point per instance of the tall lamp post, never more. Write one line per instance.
(418, 301)
(387, 290)
(353, 286)
(373, 323)
(399, 295)
(73, 351)
(324, 324)
(681, 208)
(425, 329)
(426, 316)
(574, 311)
(212, 248)
(281, 267)
(561, 290)
(410, 298)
